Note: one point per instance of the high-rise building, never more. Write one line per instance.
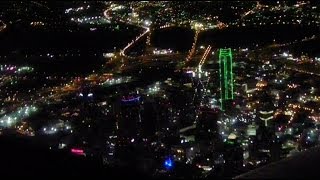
(130, 117)
(226, 77)
(265, 111)
(233, 156)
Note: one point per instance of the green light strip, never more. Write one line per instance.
(222, 108)
(226, 79)
(231, 72)
(225, 74)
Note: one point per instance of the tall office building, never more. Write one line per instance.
(265, 111)
(130, 117)
(226, 77)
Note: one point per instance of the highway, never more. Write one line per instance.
(194, 45)
(205, 56)
(53, 94)
(123, 51)
(130, 44)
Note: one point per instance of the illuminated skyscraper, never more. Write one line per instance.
(226, 76)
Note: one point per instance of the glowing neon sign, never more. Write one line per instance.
(131, 99)
(77, 151)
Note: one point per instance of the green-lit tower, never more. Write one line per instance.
(226, 76)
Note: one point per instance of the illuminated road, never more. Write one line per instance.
(205, 56)
(123, 51)
(193, 49)
(55, 94)
(204, 84)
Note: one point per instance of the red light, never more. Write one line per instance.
(77, 151)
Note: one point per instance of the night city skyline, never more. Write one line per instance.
(160, 89)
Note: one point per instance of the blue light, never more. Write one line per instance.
(168, 163)
(131, 100)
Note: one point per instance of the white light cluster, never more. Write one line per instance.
(67, 11)
(162, 51)
(11, 119)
